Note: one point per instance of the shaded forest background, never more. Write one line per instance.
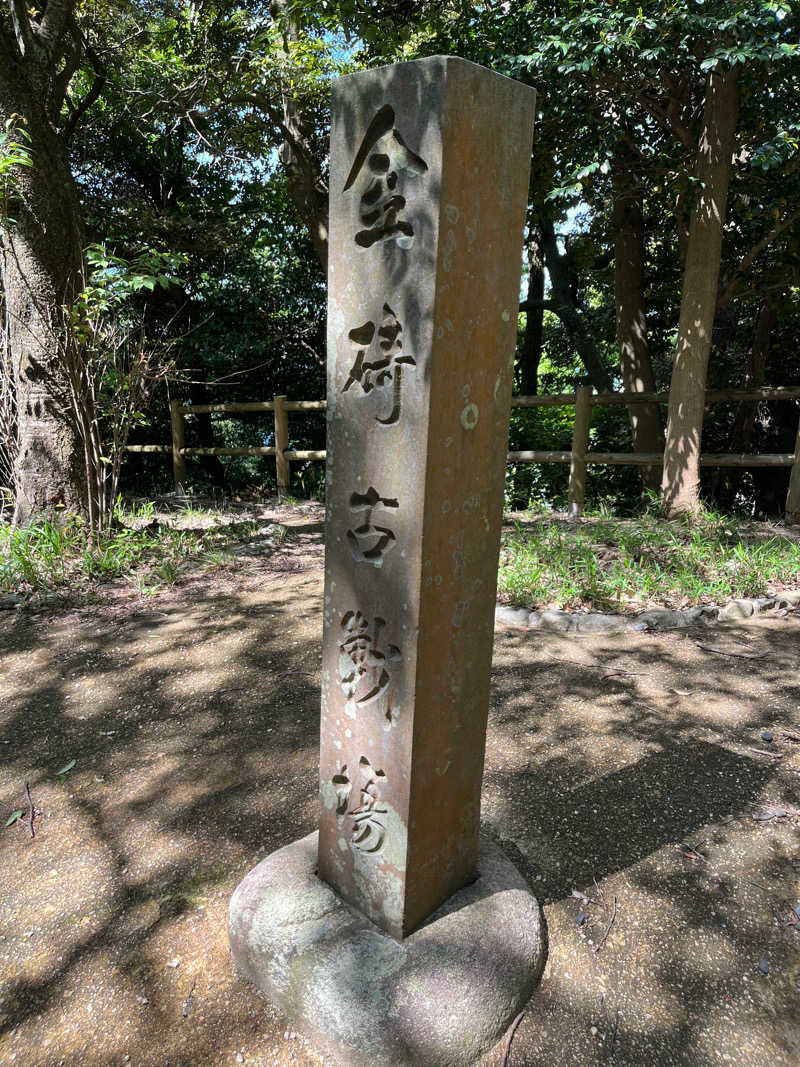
(181, 154)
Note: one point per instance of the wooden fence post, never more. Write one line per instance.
(178, 460)
(793, 499)
(282, 465)
(580, 446)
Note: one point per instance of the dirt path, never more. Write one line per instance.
(193, 720)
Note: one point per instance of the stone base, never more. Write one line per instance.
(442, 997)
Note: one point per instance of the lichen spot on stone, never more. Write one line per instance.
(469, 417)
(328, 794)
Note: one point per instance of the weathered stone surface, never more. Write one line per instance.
(505, 615)
(429, 180)
(442, 997)
(788, 598)
(655, 619)
(557, 621)
(737, 609)
(596, 623)
(663, 619)
(702, 613)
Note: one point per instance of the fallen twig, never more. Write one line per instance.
(774, 813)
(32, 811)
(510, 1038)
(735, 655)
(601, 942)
(687, 850)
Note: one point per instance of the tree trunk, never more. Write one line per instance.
(40, 271)
(530, 352)
(744, 420)
(564, 306)
(298, 157)
(742, 431)
(681, 479)
(635, 362)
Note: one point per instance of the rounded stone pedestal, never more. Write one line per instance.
(442, 997)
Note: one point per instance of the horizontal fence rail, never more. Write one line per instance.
(653, 459)
(579, 457)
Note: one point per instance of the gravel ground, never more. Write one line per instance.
(623, 775)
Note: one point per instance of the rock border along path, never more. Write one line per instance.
(555, 621)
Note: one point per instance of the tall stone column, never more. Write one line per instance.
(428, 190)
(395, 937)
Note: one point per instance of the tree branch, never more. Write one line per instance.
(745, 263)
(72, 60)
(22, 27)
(92, 95)
(52, 25)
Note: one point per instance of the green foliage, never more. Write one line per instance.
(15, 152)
(61, 775)
(632, 564)
(34, 557)
(44, 557)
(193, 228)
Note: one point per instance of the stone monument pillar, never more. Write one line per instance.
(396, 936)
(429, 178)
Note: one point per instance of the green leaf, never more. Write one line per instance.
(67, 767)
(14, 816)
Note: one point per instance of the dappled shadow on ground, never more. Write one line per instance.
(629, 769)
(193, 726)
(193, 720)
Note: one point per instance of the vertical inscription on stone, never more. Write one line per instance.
(382, 156)
(365, 668)
(379, 361)
(432, 160)
(370, 542)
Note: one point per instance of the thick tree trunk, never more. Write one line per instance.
(636, 365)
(306, 189)
(680, 482)
(530, 351)
(40, 270)
(564, 306)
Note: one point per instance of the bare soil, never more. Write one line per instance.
(628, 768)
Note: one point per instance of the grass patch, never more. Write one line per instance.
(44, 557)
(632, 564)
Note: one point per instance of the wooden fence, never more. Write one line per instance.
(579, 457)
